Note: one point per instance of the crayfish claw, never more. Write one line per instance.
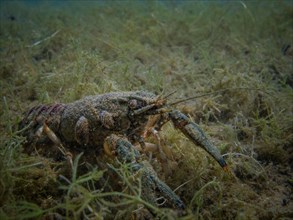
(152, 186)
(196, 135)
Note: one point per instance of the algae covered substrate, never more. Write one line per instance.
(238, 52)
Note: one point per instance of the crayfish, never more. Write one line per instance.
(114, 124)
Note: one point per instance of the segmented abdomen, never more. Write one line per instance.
(38, 115)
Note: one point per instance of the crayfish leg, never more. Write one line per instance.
(53, 137)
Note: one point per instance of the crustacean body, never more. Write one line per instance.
(114, 123)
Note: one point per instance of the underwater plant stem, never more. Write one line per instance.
(136, 199)
(6, 107)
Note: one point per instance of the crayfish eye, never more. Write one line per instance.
(133, 104)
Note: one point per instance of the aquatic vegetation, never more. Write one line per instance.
(241, 50)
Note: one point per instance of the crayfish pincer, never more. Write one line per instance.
(115, 124)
